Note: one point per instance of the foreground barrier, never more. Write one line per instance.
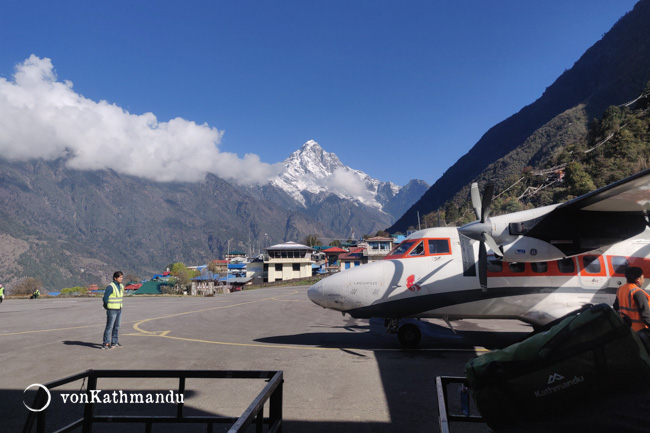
(254, 413)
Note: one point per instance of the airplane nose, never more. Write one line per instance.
(316, 294)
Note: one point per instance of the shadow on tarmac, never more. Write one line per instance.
(374, 337)
(83, 344)
(409, 386)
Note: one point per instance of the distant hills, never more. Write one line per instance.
(613, 71)
(69, 227)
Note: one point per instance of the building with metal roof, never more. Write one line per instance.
(288, 261)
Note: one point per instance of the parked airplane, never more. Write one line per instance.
(544, 263)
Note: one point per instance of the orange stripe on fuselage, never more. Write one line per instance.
(553, 269)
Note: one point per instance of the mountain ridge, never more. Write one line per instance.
(610, 72)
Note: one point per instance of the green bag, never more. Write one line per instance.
(588, 353)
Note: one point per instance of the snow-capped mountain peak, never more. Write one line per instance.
(311, 169)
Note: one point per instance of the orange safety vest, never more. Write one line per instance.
(627, 307)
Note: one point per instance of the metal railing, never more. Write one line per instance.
(465, 409)
(254, 413)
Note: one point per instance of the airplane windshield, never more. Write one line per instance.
(402, 248)
(418, 251)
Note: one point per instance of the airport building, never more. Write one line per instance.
(288, 261)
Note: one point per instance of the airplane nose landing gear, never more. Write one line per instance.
(409, 335)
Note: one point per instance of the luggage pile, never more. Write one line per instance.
(589, 354)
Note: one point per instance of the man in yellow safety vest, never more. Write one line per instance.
(113, 306)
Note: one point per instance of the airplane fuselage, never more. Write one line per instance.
(433, 274)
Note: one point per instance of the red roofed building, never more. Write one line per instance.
(333, 254)
(357, 256)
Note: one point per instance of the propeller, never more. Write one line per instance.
(481, 230)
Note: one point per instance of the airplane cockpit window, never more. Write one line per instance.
(566, 266)
(517, 267)
(620, 264)
(494, 265)
(539, 267)
(418, 250)
(591, 264)
(401, 248)
(438, 246)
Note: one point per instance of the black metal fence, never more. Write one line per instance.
(253, 415)
(454, 403)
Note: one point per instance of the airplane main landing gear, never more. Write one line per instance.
(409, 335)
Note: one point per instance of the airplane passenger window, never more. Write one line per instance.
(418, 250)
(402, 248)
(539, 267)
(620, 264)
(566, 266)
(438, 246)
(494, 265)
(591, 264)
(517, 267)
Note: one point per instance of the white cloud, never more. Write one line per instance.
(41, 117)
(346, 182)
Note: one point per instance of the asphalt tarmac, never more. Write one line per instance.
(341, 374)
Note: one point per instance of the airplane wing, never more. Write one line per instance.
(598, 219)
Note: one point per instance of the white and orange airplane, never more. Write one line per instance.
(544, 263)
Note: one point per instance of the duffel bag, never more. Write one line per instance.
(590, 352)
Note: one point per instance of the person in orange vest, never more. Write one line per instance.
(632, 301)
(113, 305)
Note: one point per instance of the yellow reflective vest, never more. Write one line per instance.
(627, 306)
(115, 298)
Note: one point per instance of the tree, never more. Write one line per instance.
(311, 240)
(335, 243)
(216, 267)
(27, 286)
(182, 274)
(130, 277)
(382, 234)
(578, 180)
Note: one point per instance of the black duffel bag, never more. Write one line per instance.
(589, 354)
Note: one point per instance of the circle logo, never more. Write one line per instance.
(49, 397)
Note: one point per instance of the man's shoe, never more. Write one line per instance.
(106, 346)
(116, 345)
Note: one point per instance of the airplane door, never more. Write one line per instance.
(593, 273)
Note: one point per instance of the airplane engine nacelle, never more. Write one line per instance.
(527, 249)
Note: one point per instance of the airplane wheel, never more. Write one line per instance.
(409, 335)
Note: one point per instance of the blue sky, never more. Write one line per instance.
(397, 89)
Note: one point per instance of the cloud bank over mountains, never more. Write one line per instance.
(42, 117)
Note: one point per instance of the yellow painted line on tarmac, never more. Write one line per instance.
(269, 346)
(52, 330)
(275, 346)
(137, 325)
(138, 322)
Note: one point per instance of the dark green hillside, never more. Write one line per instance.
(614, 147)
(614, 70)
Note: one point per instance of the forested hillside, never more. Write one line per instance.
(613, 147)
(612, 71)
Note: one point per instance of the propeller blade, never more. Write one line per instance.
(476, 200)
(487, 200)
(482, 266)
(489, 240)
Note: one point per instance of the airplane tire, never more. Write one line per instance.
(409, 335)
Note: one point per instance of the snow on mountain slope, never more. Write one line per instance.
(311, 169)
